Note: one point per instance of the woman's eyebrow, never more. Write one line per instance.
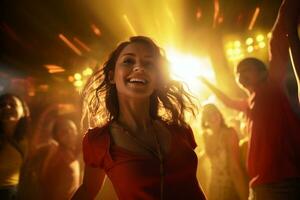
(132, 54)
(128, 54)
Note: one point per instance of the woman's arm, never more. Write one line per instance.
(93, 179)
(235, 168)
(240, 105)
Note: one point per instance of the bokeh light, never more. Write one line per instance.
(249, 41)
(260, 38)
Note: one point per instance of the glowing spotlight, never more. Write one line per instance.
(230, 52)
(260, 38)
(250, 49)
(78, 83)
(262, 45)
(230, 44)
(87, 72)
(71, 79)
(237, 43)
(249, 41)
(188, 69)
(237, 51)
(77, 76)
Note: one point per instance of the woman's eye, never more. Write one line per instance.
(148, 64)
(128, 61)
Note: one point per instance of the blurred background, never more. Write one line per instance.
(50, 47)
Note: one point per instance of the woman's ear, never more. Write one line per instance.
(111, 77)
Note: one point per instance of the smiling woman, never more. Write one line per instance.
(100, 95)
(14, 129)
(132, 142)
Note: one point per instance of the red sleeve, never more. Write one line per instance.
(95, 145)
(190, 137)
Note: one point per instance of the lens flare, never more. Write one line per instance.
(188, 68)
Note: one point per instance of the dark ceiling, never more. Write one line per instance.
(30, 28)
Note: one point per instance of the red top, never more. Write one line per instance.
(274, 151)
(138, 176)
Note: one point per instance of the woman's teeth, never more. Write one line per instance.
(137, 80)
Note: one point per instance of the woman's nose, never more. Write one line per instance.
(138, 67)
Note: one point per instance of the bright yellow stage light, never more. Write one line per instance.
(77, 76)
(78, 83)
(237, 43)
(250, 49)
(237, 51)
(249, 41)
(260, 38)
(87, 72)
(229, 44)
(262, 45)
(230, 52)
(188, 69)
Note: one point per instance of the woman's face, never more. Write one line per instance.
(11, 109)
(136, 73)
(211, 118)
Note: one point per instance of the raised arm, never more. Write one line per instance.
(93, 179)
(236, 104)
(40, 125)
(279, 48)
(292, 19)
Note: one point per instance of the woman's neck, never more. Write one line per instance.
(134, 114)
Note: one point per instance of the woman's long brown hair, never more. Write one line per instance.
(99, 97)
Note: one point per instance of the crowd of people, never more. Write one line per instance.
(137, 135)
(37, 170)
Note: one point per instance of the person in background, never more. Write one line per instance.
(146, 153)
(274, 146)
(51, 169)
(228, 178)
(14, 128)
(60, 171)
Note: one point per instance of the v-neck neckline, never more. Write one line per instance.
(137, 154)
